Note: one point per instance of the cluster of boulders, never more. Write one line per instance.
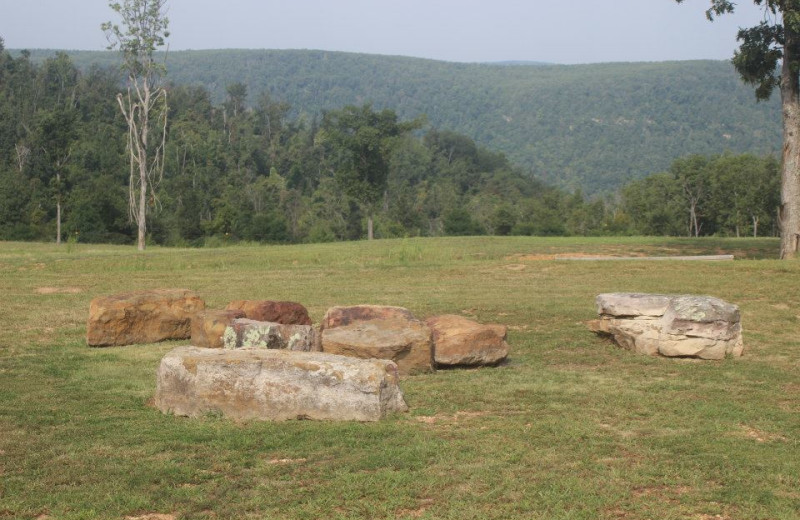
(700, 327)
(259, 359)
(265, 359)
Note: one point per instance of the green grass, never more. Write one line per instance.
(572, 427)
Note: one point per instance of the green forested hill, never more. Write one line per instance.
(589, 126)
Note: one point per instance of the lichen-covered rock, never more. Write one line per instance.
(209, 326)
(142, 317)
(367, 331)
(671, 325)
(276, 385)
(460, 341)
(245, 333)
(288, 313)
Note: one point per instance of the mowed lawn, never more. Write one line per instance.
(571, 427)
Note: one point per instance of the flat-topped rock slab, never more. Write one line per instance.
(145, 316)
(277, 385)
(382, 332)
(347, 315)
(702, 327)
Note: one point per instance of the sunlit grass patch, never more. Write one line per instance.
(570, 427)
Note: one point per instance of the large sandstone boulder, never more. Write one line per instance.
(142, 317)
(367, 331)
(460, 341)
(276, 385)
(209, 326)
(244, 333)
(671, 325)
(288, 313)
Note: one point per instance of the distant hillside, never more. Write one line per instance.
(589, 126)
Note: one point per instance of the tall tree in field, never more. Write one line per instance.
(775, 40)
(144, 105)
(363, 139)
(56, 126)
(691, 174)
(54, 137)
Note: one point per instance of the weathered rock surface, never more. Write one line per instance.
(374, 331)
(460, 341)
(276, 385)
(288, 313)
(142, 317)
(671, 325)
(209, 326)
(339, 316)
(245, 333)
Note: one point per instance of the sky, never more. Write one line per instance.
(554, 31)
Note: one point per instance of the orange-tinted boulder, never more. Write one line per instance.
(460, 341)
(142, 317)
(208, 327)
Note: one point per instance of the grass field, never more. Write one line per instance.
(572, 427)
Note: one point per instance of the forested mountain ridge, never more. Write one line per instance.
(593, 127)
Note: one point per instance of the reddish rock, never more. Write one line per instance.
(459, 341)
(288, 313)
(379, 332)
(142, 317)
(208, 327)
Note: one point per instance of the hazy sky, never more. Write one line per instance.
(558, 31)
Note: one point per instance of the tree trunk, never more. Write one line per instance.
(58, 222)
(369, 228)
(755, 226)
(142, 234)
(693, 219)
(790, 170)
(141, 220)
(58, 211)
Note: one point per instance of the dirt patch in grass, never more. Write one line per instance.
(792, 388)
(284, 462)
(151, 516)
(760, 435)
(58, 290)
(446, 419)
(662, 493)
(420, 510)
(577, 254)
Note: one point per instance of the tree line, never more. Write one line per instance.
(259, 171)
(727, 195)
(562, 123)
